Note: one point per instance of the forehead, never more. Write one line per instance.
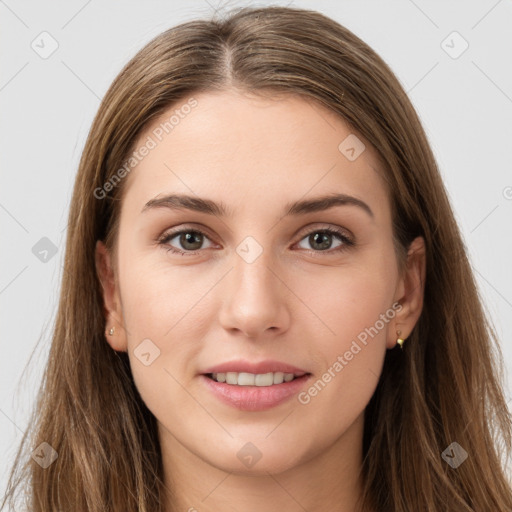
(242, 150)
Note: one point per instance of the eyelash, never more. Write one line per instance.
(347, 242)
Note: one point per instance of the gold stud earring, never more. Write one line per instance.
(399, 340)
(111, 331)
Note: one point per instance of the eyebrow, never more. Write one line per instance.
(209, 207)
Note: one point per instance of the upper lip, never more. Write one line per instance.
(256, 368)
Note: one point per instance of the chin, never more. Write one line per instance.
(258, 457)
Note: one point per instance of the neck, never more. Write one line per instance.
(330, 480)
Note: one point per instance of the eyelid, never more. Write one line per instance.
(320, 226)
(184, 227)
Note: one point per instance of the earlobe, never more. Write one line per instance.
(114, 331)
(412, 288)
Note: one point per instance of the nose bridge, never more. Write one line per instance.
(252, 272)
(255, 296)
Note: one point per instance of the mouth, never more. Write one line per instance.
(255, 379)
(254, 392)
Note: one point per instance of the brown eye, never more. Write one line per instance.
(322, 240)
(189, 240)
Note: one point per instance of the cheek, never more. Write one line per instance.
(353, 311)
(164, 313)
(345, 301)
(158, 297)
(158, 346)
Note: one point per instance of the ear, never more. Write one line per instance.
(410, 293)
(111, 299)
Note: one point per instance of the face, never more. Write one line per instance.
(314, 289)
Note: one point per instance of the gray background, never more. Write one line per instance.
(464, 101)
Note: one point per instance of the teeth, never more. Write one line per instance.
(251, 379)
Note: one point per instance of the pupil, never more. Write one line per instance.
(189, 238)
(325, 243)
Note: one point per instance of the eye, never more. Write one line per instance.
(321, 240)
(191, 240)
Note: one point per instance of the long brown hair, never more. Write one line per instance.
(446, 385)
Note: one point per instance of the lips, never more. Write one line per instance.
(254, 398)
(262, 367)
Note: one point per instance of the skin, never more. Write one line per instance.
(295, 303)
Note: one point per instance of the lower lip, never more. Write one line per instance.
(255, 398)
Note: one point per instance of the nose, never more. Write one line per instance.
(257, 295)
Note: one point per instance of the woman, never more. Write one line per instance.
(321, 344)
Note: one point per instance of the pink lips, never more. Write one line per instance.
(256, 368)
(255, 398)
